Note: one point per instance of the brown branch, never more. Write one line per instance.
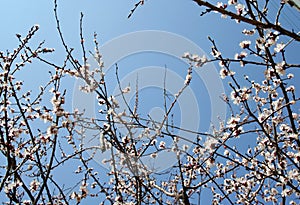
(256, 23)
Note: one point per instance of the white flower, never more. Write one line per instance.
(285, 192)
(162, 145)
(276, 82)
(239, 9)
(280, 68)
(185, 147)
(52, 130)
(210, 143)
(37, 26)
(279, 47)
(240, 56)
(224, 73)
(290, 76)
(126, 90)
(221, 5)
(201, 61)
(295, 115)
(26, 202)
(83, 189)
(34, 185)
(271, 37)
(245, 93)
(262, 117)
(188, 79)
(290, 89)
(233, 121)
(153, 155)
(85, 69)
(235, 98)
(44, 139)
(245, 44)
(186, 55)
(195, 57)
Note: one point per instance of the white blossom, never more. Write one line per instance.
(245, 44)
(34, 185)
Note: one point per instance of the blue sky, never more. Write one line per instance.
(109, 20)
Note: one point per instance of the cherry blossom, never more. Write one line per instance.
(250, 157)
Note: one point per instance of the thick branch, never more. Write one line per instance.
(249, 21)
